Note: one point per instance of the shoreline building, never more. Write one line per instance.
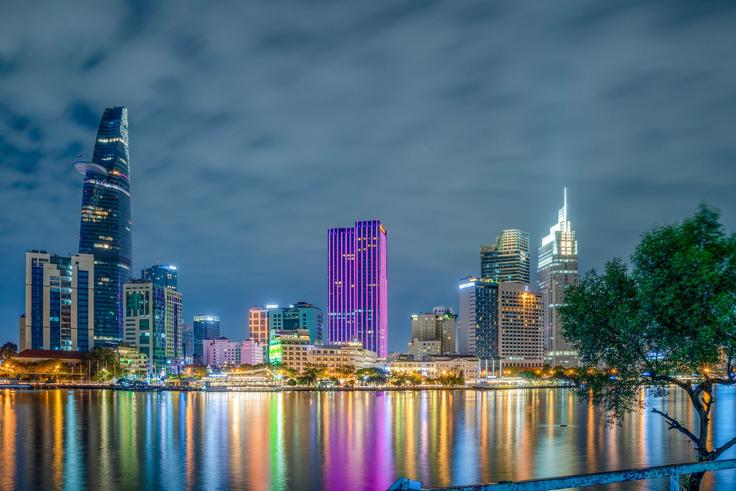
(301, 315)
(557, 268)
(520, 326)
(154, 319)
(59, 302)
(205, 327)
(508, 259)
(105, 223)
(357, 291)
(478, 320)
(433, 333)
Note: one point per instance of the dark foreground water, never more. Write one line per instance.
(348, 440)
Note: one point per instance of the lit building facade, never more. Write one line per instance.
(59, 299)
(205, 327)
(289, 348)
(508, 259)
(133, 363)
(105, 229)
(258, 324)
(251, 353)
(221, 352)
(558, 267)
(435, 366)
(164, 275)
(520, 326)
(357, 293)
(301, 315)
(153, 322)
(335, 357)
(434, 333)
(478, 323)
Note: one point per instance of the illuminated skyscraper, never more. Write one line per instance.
(357, 292)
(558, 267)
(105, 230)
(507, 259)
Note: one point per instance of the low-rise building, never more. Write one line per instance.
(289, 348)
(132, 362)
(221, 352)
(435, 366)
(334, 357)
(251, 353)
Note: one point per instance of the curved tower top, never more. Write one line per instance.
(105, 229)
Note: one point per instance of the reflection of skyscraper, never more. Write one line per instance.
(357, 292)
(105, 229)
(558, 267)
(507, 259)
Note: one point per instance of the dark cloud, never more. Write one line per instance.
(256, 126)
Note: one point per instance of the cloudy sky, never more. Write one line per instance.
(255, 126)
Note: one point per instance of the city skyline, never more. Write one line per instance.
(237, 175)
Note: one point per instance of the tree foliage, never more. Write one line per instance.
(670, 316)
(7, 350)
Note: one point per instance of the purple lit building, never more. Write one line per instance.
(357, 292)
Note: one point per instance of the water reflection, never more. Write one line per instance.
(361, 440)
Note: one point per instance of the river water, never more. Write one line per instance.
(75, 439)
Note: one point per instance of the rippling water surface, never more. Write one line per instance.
(73, 439)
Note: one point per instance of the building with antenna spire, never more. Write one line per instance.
(557, 268)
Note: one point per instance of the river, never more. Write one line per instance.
(98, 439)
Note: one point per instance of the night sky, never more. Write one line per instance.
(254, 128)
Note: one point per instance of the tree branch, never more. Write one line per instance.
(717, 452)
(723, 381)
(675, 425)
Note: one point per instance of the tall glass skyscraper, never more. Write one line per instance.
(558, 267)
(357, 292)
(507, 259)
(105, 230)
(163, 275)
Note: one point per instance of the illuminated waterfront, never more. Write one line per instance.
(322, 440)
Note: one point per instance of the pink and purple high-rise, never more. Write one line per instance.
(357, 292)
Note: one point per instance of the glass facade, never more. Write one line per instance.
(508, 259)
(57, 301)
(204, 327)
(558, 267)
(301, 315)
(105, 229)
(163, 275)
(357, 293)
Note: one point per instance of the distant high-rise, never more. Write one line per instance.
(205, 327)
(478, 321)
(162, 274)
(105, 230)
(558, 267)
(357, 292)
(507, 259)
(520, 326)
(301, 315)
(59, 302)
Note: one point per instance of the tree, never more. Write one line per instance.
(673, 314)
(103, 364)
(8, 350)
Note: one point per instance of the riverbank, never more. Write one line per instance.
(101, 386)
